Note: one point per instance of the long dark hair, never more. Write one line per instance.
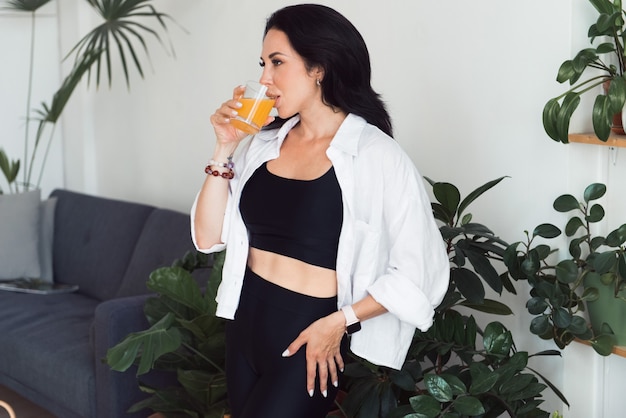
(324, 38)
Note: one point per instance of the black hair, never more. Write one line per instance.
(326, 39)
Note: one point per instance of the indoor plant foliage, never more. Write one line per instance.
(562, 289)
(609, 27)
(185, 338)
(123, 32)
(456, 369)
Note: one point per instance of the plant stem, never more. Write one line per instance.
(45, 156)
(28, 98)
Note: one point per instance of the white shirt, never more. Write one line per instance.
(389, 247)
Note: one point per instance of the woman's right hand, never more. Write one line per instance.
(226, 134)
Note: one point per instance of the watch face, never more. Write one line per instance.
(351, 329)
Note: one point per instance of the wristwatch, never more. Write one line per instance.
(352, 322)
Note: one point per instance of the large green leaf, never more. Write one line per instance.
(594, 191)
(177, 284)
(468, 405)
(546, 231)
(569, 105)
(601, 117)
(469, 284)
(565, 203)
(475, 194)
(549, 117)
(426, 405)
(438, 388)
(149, 344)
(448, 195)
(616, 237)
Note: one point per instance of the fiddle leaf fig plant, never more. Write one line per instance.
(563, 286)
(607, 64)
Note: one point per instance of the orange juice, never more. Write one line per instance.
(252, 123)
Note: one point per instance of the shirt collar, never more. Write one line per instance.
(346, 139)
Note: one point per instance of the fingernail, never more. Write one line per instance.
(285, 353)
(324, 393)
(336, 384)
(234, 113)
(311, 393)
(238, 104)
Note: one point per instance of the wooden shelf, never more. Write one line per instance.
(617, 350)
(614, 140)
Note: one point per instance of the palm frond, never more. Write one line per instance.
(120, 24)
(24, 5)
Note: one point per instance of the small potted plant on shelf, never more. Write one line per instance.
(607, 62)
(590, 278)
(456, 368)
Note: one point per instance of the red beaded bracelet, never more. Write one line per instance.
(226, 174)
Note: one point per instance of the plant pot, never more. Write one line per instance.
(607, 309)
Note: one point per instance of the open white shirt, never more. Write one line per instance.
(389, 247)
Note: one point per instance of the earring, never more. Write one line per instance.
(318, 82)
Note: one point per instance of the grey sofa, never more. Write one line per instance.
(52, 346)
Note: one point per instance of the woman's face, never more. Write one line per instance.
(286, 76)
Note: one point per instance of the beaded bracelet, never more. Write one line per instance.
(228, 164)
(226, 174)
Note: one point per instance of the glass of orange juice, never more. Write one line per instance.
(255, 109)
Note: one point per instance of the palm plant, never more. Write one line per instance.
(123, 29)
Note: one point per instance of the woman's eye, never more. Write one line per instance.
(261, 64)
(276, 62)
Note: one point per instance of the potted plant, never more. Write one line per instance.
(122, 30)
(592, 275)
(449, 371)
(607, 60)
(185, 339)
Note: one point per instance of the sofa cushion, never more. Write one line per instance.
(171, 231)
(45, 342)
(46, 238)
(94, 240)
(19, 235)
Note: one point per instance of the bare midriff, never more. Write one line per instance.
(293, 274)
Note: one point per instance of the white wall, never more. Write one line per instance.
(465, 82)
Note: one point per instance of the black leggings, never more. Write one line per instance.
(262, 383)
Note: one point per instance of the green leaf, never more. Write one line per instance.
(616, 237)
(468, 405)
(550, 114)
(475, 194)
(573, 225)
(497, 340)
(483, 382)
(540, 325)
(536, 305)
(603, 344)
(469, 284)
(596, 214)
(438, 388)
(569, 105)
(518, 384)
(566, 271)
(565, 203)
(25, 5)
(604, 262)
(448, 195)
(602, 117)
(546, 231)
(617, 94)
(147, 345)
(426, 405)
(594, 191)
(177, 284)
(490, 306)
(561, 317)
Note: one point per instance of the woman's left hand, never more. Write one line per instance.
(323, 356)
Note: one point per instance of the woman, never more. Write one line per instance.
(325, 220)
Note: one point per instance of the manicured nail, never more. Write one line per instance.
(311, 393)
(324, 393)
(234, 113)
(336, 384)
(238, 105)
(285, 353)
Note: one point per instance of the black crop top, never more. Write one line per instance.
(297, 218)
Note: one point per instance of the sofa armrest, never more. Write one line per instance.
(114, 320)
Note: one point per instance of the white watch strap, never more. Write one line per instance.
(350, 315)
